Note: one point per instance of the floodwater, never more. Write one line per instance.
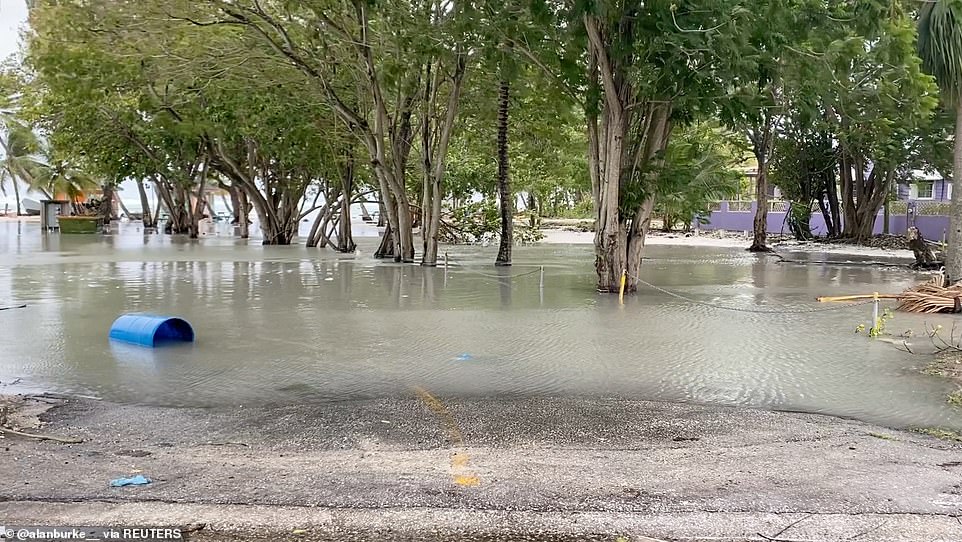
(279, 324)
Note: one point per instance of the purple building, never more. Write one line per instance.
(921, 202)
(926, 187)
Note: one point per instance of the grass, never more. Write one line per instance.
(939, 433)
(948, 364)
(881, 436)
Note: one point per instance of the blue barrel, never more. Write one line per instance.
(150, 330)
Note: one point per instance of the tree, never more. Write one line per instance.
(376, 66)
(12, 137)
(20, 164)
(637, 70)
(804, 168)
(940, 47)
(777, 41)
(147, 95)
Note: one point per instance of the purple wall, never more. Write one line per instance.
(931, 226)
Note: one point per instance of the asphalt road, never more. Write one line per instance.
(503, 468)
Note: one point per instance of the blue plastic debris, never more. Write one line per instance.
(464, 357)
(139, 480)
(150, 330)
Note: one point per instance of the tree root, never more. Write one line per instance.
(63, 440)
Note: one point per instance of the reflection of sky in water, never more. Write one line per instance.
(278, 324)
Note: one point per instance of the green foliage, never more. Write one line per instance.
(940, 45)
(878, 327)
(117, 89)
(546, 143)
(698, 169)
(480, 222)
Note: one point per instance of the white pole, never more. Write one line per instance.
(541, 287)
(875, 312)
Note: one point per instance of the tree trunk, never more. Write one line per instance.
(312, 237)
(235, 204)
(16, 193)
(107, 202)
(505, 197)
(123, 207)
(831, 191)
(848, 196)
(427, 166)
(345, 239)
(196, 210)
(173, 198)
(760, 223)
(761, 143)
(953, 258)
(243, 212)
(924, 256)
(386, 248)
(436, 151)
(145, 213)
(405, 232)
(610, 235)
(885, 216)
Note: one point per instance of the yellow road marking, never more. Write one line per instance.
(460, 470)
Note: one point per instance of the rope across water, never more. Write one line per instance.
(718, 306)
(773, 310)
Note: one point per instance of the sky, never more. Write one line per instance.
(13, 14)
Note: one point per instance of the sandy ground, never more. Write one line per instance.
(731, 240)
(559, 231)
(549, 468)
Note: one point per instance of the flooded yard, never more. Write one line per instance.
(289, 324)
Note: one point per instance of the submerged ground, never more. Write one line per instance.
(360, 400)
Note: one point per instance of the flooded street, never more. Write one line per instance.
(289, 324)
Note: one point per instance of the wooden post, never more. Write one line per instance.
(621, 288)
(445, 261)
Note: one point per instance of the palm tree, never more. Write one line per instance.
(60, 178)
(29, 159)
(8, 124)
(940, 48)
(505, 197)
(19, 162)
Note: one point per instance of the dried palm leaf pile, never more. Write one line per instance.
(927, 298)
(931, 297)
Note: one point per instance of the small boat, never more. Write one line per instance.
(31, 207)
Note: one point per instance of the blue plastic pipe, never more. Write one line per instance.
(150, 330)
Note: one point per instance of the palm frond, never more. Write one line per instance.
(940, 45)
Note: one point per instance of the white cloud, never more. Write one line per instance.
(13, 15)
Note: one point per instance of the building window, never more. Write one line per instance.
(922, 190)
